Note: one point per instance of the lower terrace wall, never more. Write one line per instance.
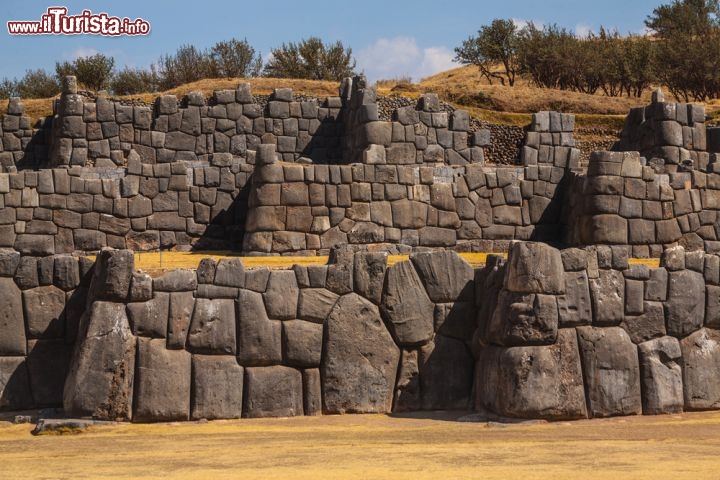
(550, 334)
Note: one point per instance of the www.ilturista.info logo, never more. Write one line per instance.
(57, 22)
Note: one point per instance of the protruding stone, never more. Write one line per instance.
(360, 359)
(445, 275)
(369, 274)
(611, 370)
(273, 392)
(406, 306)
(533, 382)
(535, 268)
(701, 369)
(661, 376)
(100, 378)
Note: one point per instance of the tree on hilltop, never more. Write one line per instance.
(495, 44)
(94, 72)
(311, 59)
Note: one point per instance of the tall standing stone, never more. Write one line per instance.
(406, 306)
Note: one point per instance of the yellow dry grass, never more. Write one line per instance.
(373, 447)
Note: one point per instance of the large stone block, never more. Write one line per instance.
(446, 374)
(575, 306)
(611, 371)
(445, 275)
(608, 297)
(523, 319)
(259, 338)
(662, 385)
(14, 384)
(217, 387)
(150, 319)
(685, 306)
(281, 296)
(100, 378)
(533, 382)
(47, 364)
(112, 275)
(535, 268)
(273, 392)
(315, 304)
(212, 329)
(648, 325)
(180, 314)
(360, 359)
(12, 325)
(369, 274)
(302, 342)
(701, 369)
(162, 383)
(406, 306)
(44, 308)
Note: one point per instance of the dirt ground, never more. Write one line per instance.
(373, 447)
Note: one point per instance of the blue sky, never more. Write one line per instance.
(389, 38)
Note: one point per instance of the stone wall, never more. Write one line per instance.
(555, 334)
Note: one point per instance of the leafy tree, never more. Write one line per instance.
(235, 58)
(688, 33)
(495, 44)
(187, 65)
(94, 72)
(38, 84)
(8, 88)
(311, 59)
(130, 81)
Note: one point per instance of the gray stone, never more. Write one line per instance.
(455, 320)
(656, 286)
(312, 389)
(662, 385)
(259, 338)
(712, 307)
(406, 306)
(281, 296)
(230, 273)
(180, 313)
(150, 319)
(302, 343)
(9, 262)
(611, 370)
(533, 382)
(140, 287)
(217, 387)
(12, 325)
(14, 384)
(446, 374)
(648, 325)
(534, 268)
(212, 329)
(608, 298)
(112, 275)
(360, 362)
(445, 275)
(44, 308)
(701, 369)
(100, 378)
(273, 392)
(315, 304)
(524, 319)
(369, 274)
(35, 245)
(685, 305)
(407, 388)
(575, 306)
(162, 383)
(47, 364)
(176, 281)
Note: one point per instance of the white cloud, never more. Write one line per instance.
(80, 52)
(521, 23)
(401, 56)
(582, 30)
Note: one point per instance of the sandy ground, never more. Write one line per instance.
(373, 447)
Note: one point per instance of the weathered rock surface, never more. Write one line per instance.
(533, 382)
(575, 306)
(281, 296)
(217, 387)
(662, 385)
(14, 384)
(685, 306)
(47, 364)
(608, 298)
(44, 308)
(112, 275)
(150, 319)
(360, 359)
(446, 374)
(302, 343)
(535, 268)
(524, 319)
(259, 338)
(315, 304)
(12, 325)
(369, 274)
(701, 369)
(445, 275)
(212, 329)
(611, 371)
(273, 392)
(406, 306)
(182, 305)
(100, 378)
(162, 383)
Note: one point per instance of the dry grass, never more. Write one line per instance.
(373, 447)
